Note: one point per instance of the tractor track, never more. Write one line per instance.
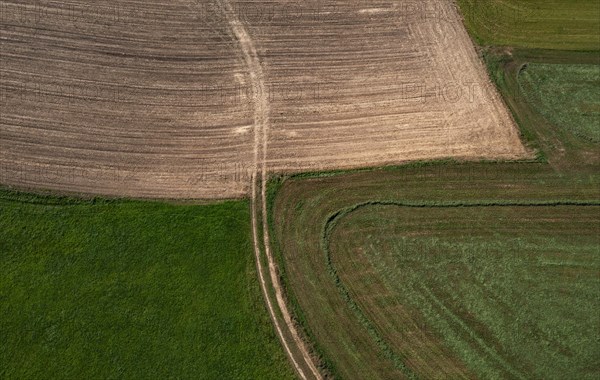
(259, 203)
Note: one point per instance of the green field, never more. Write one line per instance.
(540, 24)
(554, 133)
(124, 289)
(567, 95)
(354, 339)
(495, 291)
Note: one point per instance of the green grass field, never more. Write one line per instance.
(554, 133)
(355, 340)
(494, 291)
(124, 289)
(567, 95)
(540, 24)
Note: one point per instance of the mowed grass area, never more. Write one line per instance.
(540, 24)
(357, 342)
(491, 291)
(128, 289)
(567, 95)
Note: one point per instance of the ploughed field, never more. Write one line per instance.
(155, 99)
(121, 98)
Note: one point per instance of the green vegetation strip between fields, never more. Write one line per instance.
(554, 133)
(130, 289)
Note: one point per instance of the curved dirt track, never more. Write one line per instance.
(261, 127)
(152, 99)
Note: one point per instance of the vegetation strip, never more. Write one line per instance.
(567, 95)
(542, 24)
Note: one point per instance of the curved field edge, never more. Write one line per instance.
(326, 366)
(565, 94)
(295, 200)
(297, 337)
(335, 219)
(96, 307)
(555, 145)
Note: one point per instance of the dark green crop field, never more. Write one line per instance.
(123, 289)
(540, 24)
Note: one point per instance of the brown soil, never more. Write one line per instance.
(154, 99)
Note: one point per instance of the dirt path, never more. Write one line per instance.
(261, 129)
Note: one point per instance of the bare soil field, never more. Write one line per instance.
(123, 98)
(376, 83)
(155, 98)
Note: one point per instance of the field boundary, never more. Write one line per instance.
(554, 146)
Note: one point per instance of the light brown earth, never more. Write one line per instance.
(396, 81)
(155, 99)
(123, 98)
